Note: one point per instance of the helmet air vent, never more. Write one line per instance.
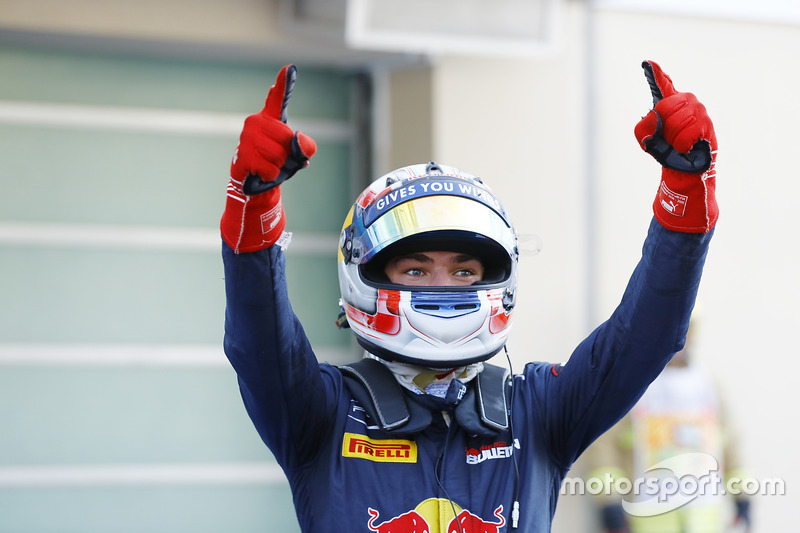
(432, 167)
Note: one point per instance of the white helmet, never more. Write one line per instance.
(426, 208)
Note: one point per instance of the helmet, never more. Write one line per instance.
(425, 208)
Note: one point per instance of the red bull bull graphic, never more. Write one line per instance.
(466, 522)
(436, 515)
(410, 522)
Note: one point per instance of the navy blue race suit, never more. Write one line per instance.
(348, 475)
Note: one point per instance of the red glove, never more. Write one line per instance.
(269, 153)
(678, 133)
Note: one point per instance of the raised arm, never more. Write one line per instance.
(610, 370)
(279, 377)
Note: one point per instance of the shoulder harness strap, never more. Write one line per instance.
(491, 387)
(375, 388)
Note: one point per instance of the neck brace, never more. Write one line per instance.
(483, 409)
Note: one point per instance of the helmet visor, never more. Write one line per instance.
(434, 213)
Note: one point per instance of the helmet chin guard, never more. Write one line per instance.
(427, 208)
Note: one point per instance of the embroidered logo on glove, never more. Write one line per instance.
(674, 203)
(271, 218)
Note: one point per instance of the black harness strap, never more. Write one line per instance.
(491, 385)
(376, 389)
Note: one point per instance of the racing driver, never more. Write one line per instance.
(423, 433)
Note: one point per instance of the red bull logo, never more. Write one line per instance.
(436, 515)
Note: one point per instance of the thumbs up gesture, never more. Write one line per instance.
(679, 134)
(269, 153)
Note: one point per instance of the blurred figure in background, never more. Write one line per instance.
(677, 433)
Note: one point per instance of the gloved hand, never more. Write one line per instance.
(679, 134)
(269, 153)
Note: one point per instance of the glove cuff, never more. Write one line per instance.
(253, 222)
(687, 202)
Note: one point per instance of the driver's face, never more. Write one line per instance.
(436, 268)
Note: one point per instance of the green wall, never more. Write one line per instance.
(119, 411)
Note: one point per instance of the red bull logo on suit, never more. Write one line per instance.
(436, 515)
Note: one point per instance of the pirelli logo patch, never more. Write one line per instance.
(380, 451)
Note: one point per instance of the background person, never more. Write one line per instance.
(682, 412)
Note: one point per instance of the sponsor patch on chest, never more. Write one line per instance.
(496, 450)
(379, 450)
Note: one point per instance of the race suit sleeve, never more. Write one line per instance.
(612, 367)
(284, 391)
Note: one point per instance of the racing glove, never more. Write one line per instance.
(269, 153)
(679, 134)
